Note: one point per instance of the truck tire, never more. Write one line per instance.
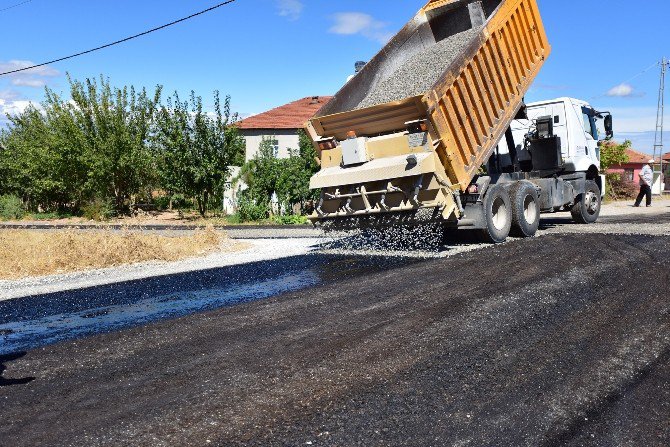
(586, 209)
(498, 215)
(525, 210)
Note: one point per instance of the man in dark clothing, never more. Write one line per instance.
(646, 180)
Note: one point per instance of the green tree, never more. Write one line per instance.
(261, 174)
(613, 154)
(115, 124)
(42, 166)
(295, 173)
(90, 147)
(289, 178)
(196, 149)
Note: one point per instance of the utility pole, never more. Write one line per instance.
(658, 140)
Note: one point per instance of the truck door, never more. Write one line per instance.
(591, 133)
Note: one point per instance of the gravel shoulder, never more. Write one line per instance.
(281, 242)
(261, 250)
(551, 343)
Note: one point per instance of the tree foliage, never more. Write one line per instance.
(614, 154)
(196, 149)
(114, 125)
(109, 145)
(72, 151)
(288, 178)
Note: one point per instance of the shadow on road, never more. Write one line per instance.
(10, 358)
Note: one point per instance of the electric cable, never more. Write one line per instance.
(15, 6)
(655, 64)
(158, 28)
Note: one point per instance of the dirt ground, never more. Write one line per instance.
(557, 340)
(26, 253)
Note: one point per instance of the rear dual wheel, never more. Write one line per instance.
(514, 211)
(498, 214)
(525, 210)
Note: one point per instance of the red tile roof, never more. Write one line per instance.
(290, 116)
(666, 157)
(637, 157)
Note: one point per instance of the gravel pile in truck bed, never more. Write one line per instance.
(419, 73)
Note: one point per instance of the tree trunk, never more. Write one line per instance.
(202, 203)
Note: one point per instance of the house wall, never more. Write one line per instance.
(286, 138)
(626, 169)
(233, 187)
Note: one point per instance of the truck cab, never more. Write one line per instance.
(579, 129)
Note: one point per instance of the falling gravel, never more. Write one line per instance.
(419, 73)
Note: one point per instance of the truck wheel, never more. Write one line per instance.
(586, 209)
(525, 210)
(498, 213)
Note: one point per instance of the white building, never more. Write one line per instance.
(280, 125)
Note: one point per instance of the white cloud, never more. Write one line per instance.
(11, 103)
(291, 9)
(14, 107)
(351, 23)
(9, 95)
(28, 82)
(34, 77)
(623, 91)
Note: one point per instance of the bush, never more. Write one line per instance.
(249, 211)
(234, 219)
(619, 189)
(11, 207)
(49, 215)
(180, 202)
(99, 210)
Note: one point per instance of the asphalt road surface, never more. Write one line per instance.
(558, 340)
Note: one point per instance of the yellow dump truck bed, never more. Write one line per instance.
(465, 66)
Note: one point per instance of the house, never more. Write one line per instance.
(280, 125)
(630, 171)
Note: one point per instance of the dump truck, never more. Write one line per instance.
(434, 129)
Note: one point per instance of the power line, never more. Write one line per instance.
(655, 64)
(119, 41)
(15, 6)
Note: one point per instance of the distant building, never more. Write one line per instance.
(280, 125)
(631, 171)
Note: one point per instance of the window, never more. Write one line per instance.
(589, 123)
(628, 175)
(273, 143)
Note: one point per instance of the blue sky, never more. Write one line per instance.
(268, 52)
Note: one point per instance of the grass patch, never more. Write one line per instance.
(26, 253)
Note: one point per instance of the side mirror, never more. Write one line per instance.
(609, 128)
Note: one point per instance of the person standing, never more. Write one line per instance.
(646, 180)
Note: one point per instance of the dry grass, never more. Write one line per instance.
(32, 253)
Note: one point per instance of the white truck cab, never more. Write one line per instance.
(579, 126)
